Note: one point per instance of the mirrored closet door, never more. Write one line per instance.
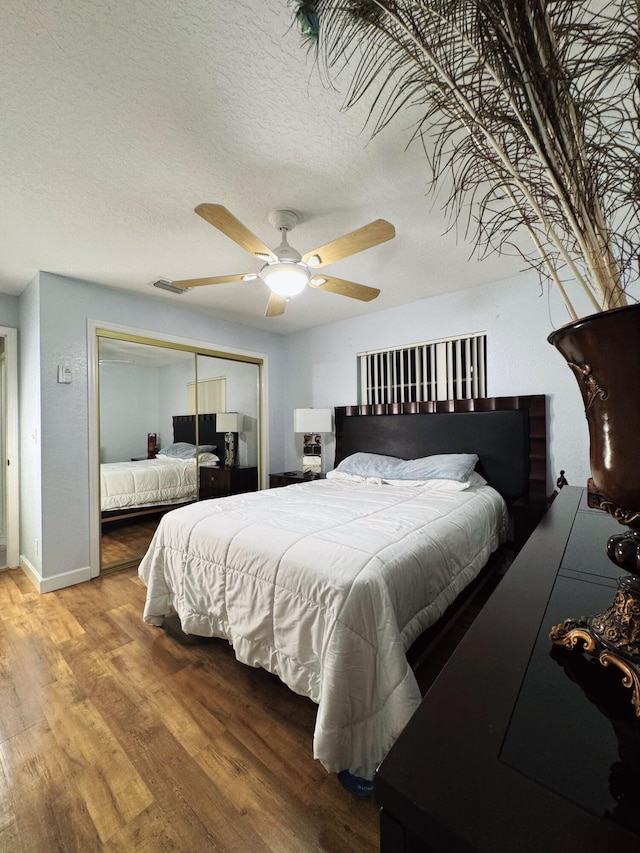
(159, 443)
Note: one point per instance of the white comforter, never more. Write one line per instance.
(326, 584)
(151, 481)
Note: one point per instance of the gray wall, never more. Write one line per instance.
(129, 409)
(9, 310)
(53, 314)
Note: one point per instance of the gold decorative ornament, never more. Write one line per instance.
(591, 387)
(612, 636)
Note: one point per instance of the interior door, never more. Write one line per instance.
(9, 485)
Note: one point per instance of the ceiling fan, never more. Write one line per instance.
(285, 271)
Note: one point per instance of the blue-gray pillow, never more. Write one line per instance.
(179, 450)
(184, 450)
(443, 466)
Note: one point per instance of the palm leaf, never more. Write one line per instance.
(528, 112)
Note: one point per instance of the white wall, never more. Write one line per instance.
(61, 307)
(517, 320)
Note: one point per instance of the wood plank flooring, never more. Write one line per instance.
(124, 544)
(118, 736)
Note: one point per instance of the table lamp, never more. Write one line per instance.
(312, 423)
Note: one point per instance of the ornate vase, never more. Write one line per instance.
(603, 351)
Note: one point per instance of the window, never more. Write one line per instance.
(449, 369)
(212, 395)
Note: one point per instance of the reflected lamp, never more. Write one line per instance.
(229, 423)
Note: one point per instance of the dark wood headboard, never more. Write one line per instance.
(184, 429)
(509, 434)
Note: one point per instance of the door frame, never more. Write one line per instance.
(93, 389)
(12, 491)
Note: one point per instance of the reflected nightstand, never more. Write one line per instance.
(222, 482)
(290, 478)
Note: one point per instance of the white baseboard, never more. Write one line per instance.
(54, 582)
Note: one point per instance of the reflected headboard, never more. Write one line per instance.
(184, 429)
(509, 434)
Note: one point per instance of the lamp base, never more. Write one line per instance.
(229, 450)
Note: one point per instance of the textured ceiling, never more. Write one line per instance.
(119, 118)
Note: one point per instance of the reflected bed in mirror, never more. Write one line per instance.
(153, 486)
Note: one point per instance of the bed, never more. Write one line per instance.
(328, 583)
(142, 487)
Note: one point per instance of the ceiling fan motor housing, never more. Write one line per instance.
(284, 218)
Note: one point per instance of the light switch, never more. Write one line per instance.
(64, 374)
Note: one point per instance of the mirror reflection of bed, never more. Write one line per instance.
(150, 452)
(135, 494)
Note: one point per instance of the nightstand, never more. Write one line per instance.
(222, 482)
(289, 478)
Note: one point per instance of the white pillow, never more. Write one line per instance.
(426, 485)
(208, 460)
(475, 479)
(342, 475)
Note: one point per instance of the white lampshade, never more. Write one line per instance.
(312, 420)
(285, 278)
(228, 422)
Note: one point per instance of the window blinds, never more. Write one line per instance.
(449, 369)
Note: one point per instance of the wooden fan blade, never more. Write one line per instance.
(275, 306)
(216, 279)
(346, 288)
(378, 231)
(223, 220)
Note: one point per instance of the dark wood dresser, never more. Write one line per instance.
(519, 746)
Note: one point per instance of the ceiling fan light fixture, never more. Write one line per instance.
(285, 278)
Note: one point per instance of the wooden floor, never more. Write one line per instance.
(125, 544)
(118, 736)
